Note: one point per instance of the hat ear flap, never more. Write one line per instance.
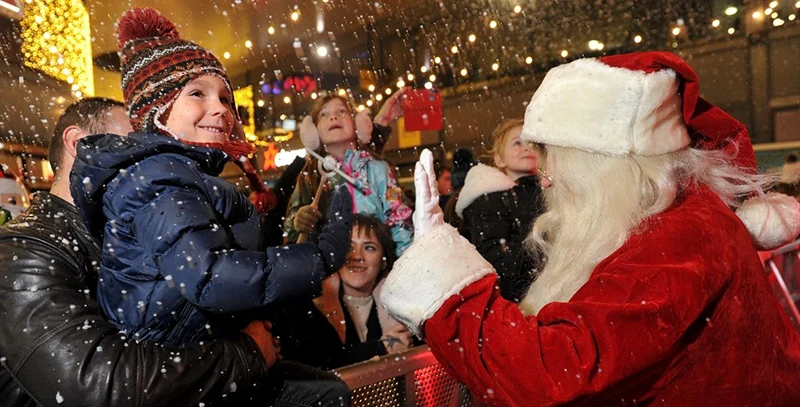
(309, 135)
(364, 126)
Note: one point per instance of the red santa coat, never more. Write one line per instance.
(681, 315)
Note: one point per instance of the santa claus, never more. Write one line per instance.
(652, 292)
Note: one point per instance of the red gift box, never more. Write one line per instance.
(422, 109)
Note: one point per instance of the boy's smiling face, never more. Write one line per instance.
(202, 113)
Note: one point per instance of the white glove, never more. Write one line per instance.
(427, 213)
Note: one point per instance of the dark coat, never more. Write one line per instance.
(181, 246)
(55, 345)
(307, 337)
(498, 214)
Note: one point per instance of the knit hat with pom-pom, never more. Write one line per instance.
(156, 65)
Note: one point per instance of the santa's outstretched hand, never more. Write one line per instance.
(427, 213)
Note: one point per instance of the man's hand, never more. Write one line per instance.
(269, 345)
(427, 213)
(392, 108)
(306, 218)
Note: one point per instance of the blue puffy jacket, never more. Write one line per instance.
(180, 245)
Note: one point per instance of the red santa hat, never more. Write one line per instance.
(649, 103)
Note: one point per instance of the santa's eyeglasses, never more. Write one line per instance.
(542, 150)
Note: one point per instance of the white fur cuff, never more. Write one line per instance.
(437, 266)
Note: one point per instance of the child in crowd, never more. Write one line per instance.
(347, 325)
(499, 204)
(330, 129)
(182, 248)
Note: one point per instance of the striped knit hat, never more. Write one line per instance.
(157, 64)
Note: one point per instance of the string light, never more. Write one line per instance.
(271, 30)
(464, 72)
(517, 9)
(378, 97)
(731, 30)
(529, 60)
(248, 44)
(493, 24)
(495, 66)
(226, 55)
(756, 15)
(773, 4)
(715, 23)
(432, 78)
(676, 31)
(564, 54)
(637, 39)
(287, 100)
(454, 49)
(472, 38)
(371, 88)
(56, 38)
(295, 15)
(731, 11)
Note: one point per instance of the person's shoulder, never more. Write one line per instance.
(482, 180)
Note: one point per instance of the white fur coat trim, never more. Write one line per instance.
(437, 266)
(482, 179)
(772, 220)
(591, 106)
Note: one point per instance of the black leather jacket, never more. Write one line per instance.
(55, 349)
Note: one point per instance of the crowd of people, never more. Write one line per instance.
(596, 260)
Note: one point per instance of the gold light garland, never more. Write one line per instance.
(56, 39)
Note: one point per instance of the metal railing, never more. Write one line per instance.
(783, 268)
(410, 378)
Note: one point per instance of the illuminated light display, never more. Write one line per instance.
(244, 99)
(56, 39)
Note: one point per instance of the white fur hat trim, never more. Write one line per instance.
(772, 221)
(591, 106)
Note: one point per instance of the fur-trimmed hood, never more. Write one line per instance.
(482, 179)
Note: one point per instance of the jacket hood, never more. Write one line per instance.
(101, 157)
(482, 179)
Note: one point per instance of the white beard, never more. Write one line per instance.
(590, 215)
